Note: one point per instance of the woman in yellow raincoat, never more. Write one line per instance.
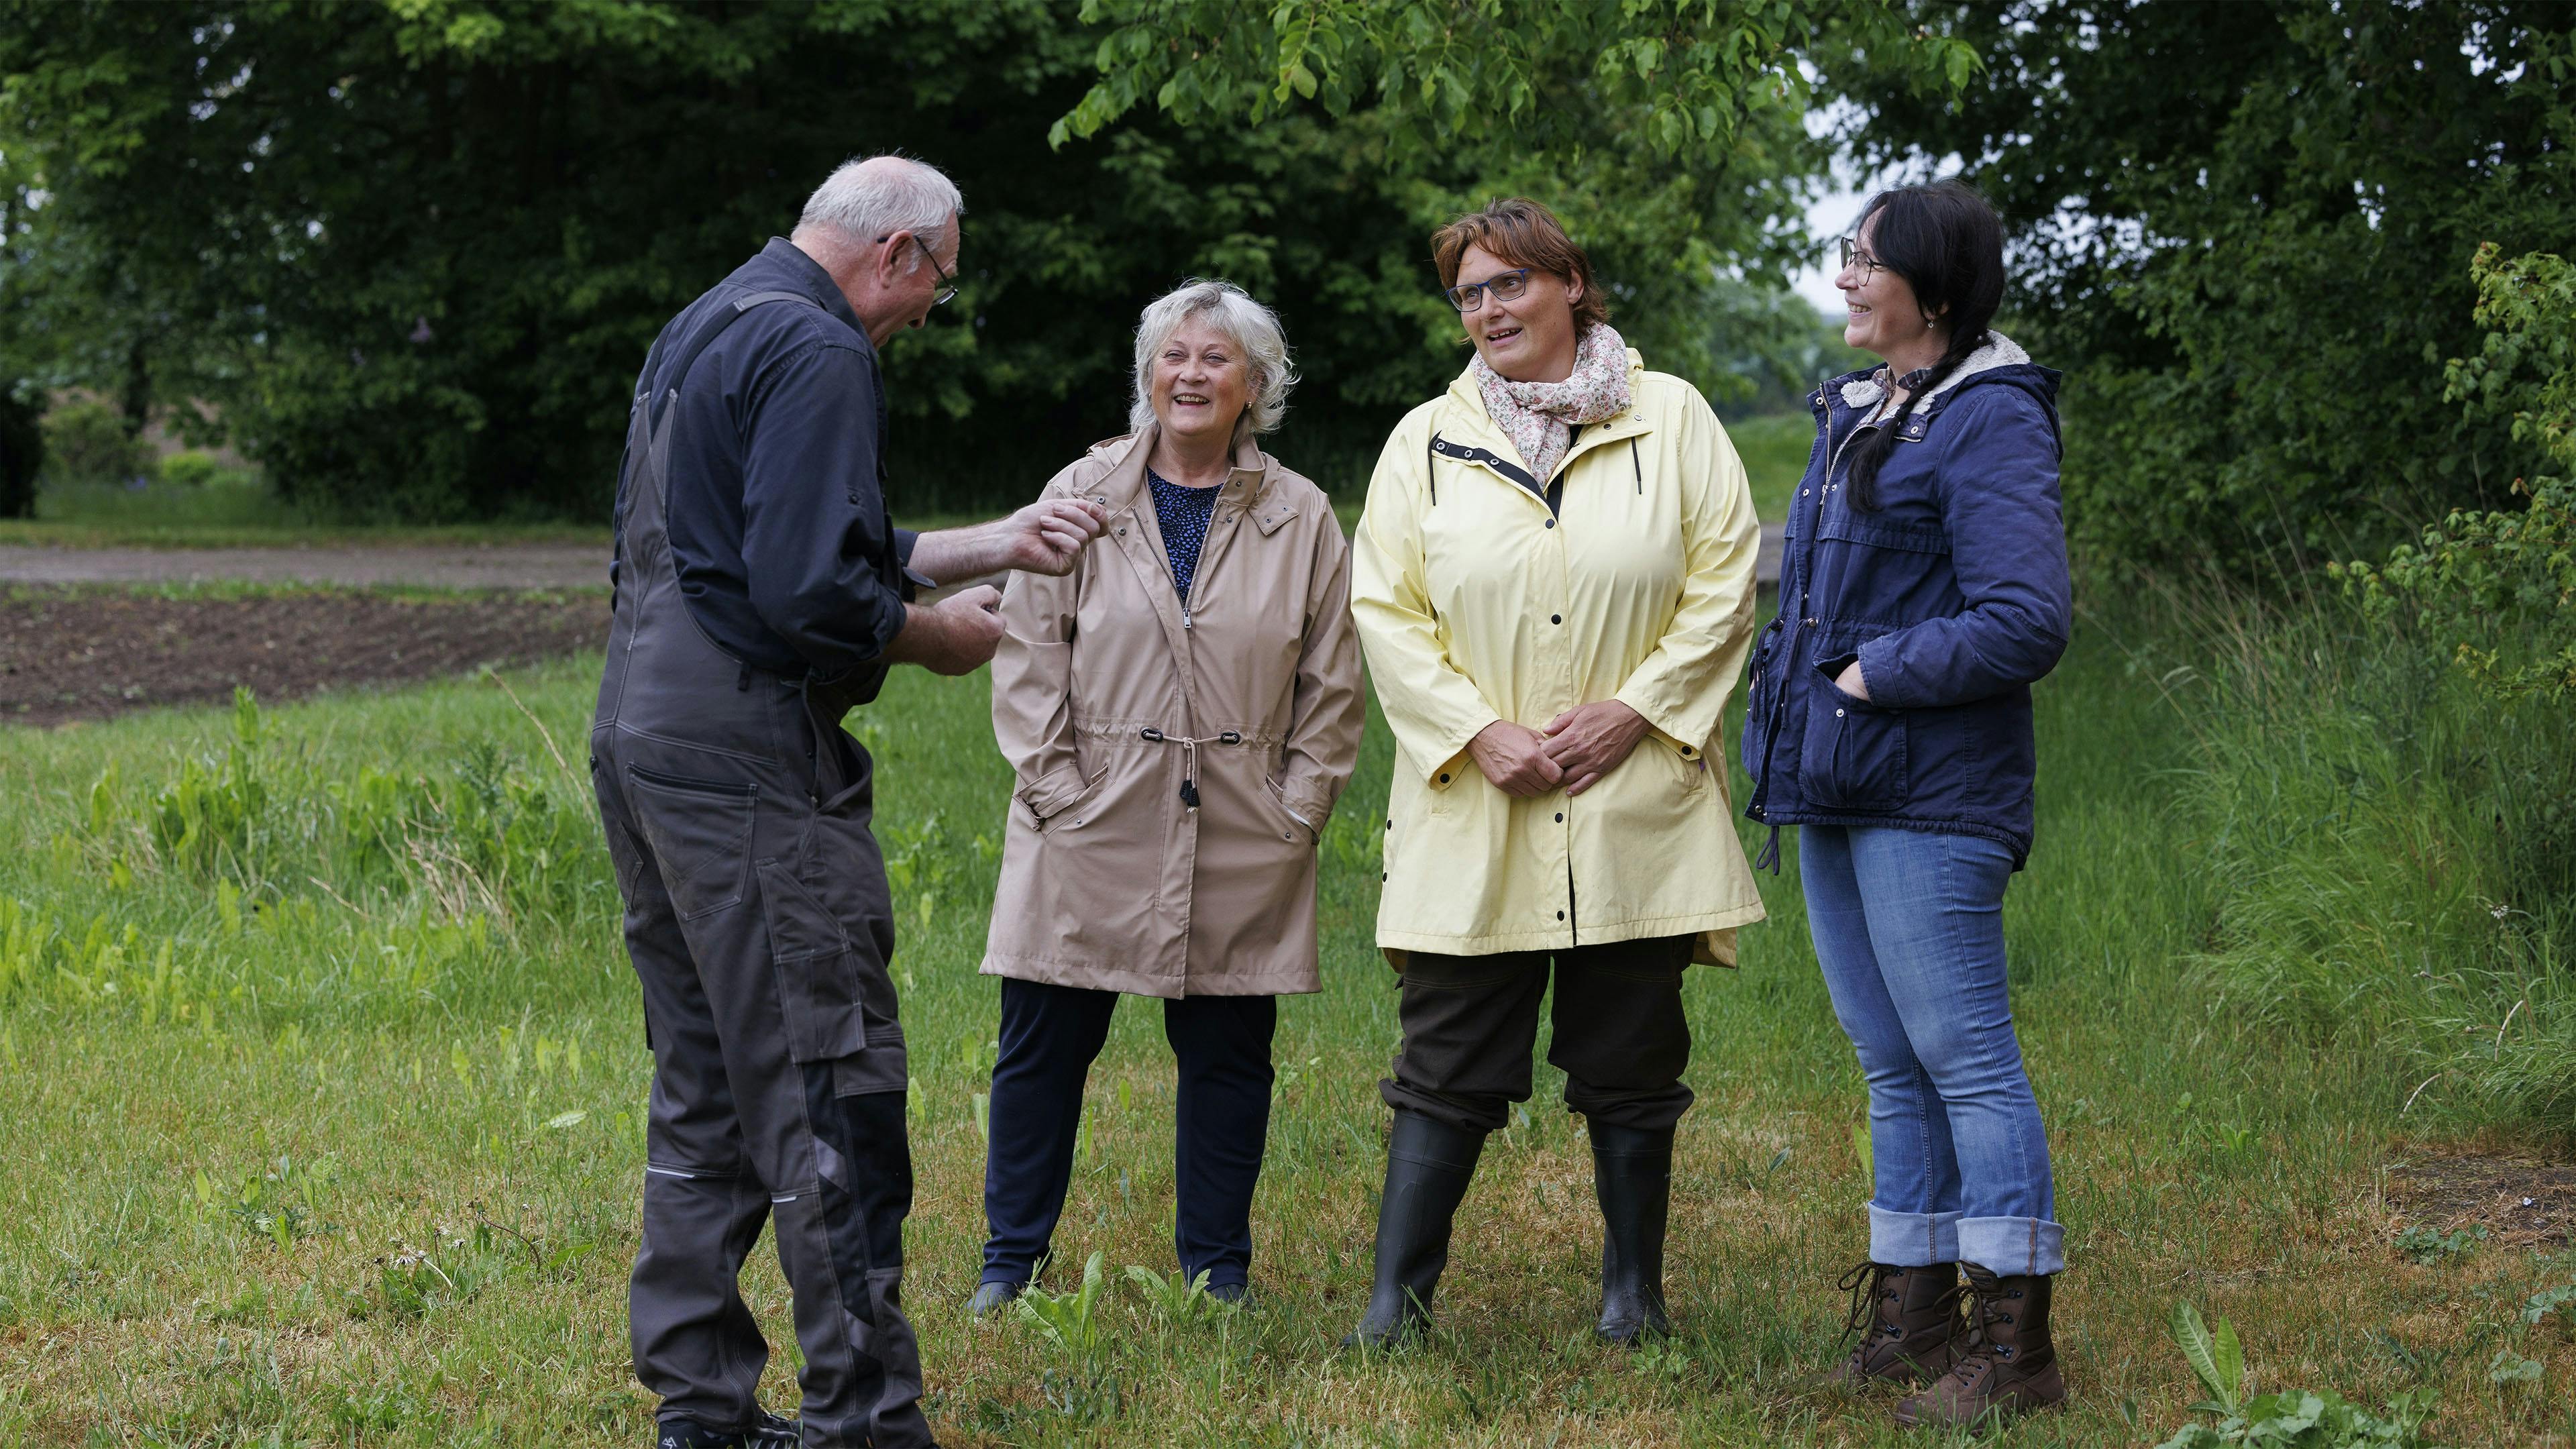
(1554, 585)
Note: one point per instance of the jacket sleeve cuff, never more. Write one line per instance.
(1053, 791)
(1882, 675)
(1688, 736)
(1457, 763)
(1312, 807)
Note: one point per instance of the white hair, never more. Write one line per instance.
(868, 200)
(1245, 322)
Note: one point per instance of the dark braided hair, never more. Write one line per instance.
(1948, 245)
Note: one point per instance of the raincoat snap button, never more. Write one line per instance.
(1838, 714)
(1560, 915)
(1556, 618)
(1444, 779)
(1560, 817)
(1551, 523)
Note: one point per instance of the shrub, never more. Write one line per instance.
(87, 442)
(191, 469)
(2500, 587)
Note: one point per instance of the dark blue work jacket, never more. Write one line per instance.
(777, 512)
(1953, 595)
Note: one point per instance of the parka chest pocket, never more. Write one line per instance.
(1843, 525)
(817, 966)
(700, 832)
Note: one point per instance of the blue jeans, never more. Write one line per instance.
(1908, 925)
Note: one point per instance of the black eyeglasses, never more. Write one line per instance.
(1506, 287)
(947, 284)
(1852, 252)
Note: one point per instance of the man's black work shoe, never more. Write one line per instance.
(771, 1432)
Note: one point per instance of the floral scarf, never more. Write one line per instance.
(1540, 417)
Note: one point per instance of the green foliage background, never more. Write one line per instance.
(2246, 231)
(413, 251)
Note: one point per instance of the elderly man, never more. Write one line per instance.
(761, 593)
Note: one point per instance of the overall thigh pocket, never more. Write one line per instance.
(817, 966)
(700, 833)
(1854, 757)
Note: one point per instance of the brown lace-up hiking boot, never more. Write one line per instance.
(2006, 1366)
(1907, 1319)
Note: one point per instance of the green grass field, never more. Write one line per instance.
(321, 1085)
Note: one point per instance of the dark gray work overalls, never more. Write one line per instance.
(758, 917)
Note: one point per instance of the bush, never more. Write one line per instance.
(191, 469)
(2500, 588)
(87, 442)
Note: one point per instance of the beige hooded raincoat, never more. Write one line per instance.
(1118, 709)
(1477, 604)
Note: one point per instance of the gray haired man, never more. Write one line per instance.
(761, 593)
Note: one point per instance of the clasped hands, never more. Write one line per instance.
(1576, 749)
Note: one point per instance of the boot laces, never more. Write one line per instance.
(1981, 1354)
(1866, 1282)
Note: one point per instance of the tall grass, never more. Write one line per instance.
(2391, 850)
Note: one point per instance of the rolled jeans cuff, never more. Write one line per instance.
(2013, 1247)
(1912, 1240)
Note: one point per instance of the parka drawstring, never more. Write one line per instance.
(1189, 756)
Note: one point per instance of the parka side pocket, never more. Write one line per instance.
(1854, 755)
(700, 834)
(818, 971)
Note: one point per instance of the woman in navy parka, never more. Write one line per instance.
(1923, 591)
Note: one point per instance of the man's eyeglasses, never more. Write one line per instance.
(947, 284)
(1506, 287)
(1852, 254)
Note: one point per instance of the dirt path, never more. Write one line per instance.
(496, 566)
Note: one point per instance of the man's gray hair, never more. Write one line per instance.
(870, 199)
(1249, 325)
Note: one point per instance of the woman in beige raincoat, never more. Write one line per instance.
(1182, 711)
(1554, 583)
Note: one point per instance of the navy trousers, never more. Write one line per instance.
(1050, 1036)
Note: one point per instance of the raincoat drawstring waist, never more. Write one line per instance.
(1189, 756)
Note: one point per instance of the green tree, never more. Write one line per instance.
(2499, 587)
(2246, 230)
(413, 251)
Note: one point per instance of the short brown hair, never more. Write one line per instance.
(1525, 234)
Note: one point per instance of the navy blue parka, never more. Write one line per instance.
(1953, 595)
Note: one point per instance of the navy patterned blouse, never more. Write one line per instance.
(1182, 513)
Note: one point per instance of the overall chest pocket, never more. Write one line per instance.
(1855, 756)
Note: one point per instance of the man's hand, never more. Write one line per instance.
(1048, 535)
(1515, 758)
(1043, 538)
(957, 635)
(1589, 742)
(1851, 683)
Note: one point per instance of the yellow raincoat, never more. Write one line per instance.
(1475, 603)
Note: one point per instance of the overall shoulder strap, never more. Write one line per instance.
(708, 331)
